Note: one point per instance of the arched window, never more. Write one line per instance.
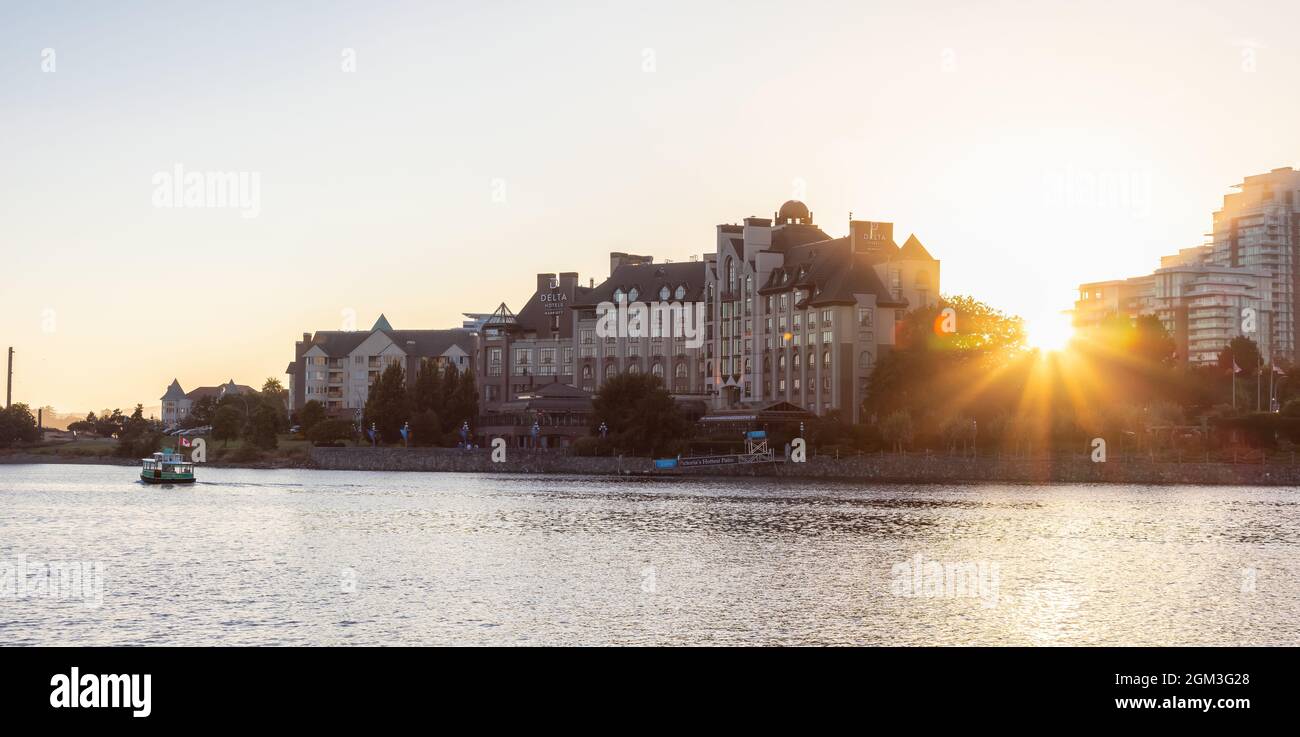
(610, 372)
(826, 360)
(780, 362)
(657, 370)
(864, 359)
(812, 359)
(664, 293)
(680, 371)
(586, 372)
(731, 275)
(618, 294)
(632, 294)
(680, 294)
(634, 369)
(747, 364)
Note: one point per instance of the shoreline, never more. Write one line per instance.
(895, 469)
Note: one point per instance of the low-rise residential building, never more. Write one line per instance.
(177, 404)
(337, 367)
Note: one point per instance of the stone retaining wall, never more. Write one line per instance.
(879, 468)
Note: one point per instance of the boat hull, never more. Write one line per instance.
(165, 479)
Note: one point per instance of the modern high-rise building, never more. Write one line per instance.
(1242, 283)
(1258, 228)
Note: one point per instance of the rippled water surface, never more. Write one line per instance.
(319, 557)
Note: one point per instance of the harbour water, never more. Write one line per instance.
(299, 557)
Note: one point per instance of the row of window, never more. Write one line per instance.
(665, 293)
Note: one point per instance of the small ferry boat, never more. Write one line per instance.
(166, 467)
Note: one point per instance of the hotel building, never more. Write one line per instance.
(337, 367)
(797, 316)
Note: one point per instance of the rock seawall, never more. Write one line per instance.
(879, 468)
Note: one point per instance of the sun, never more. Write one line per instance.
(1049, 331)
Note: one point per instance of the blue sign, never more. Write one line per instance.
(756, 434)
(665, 463)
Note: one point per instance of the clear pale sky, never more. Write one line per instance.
(983, 127)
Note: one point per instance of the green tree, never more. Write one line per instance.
(17, 425)
(388, 405)
(263, 427)
(426, 392)
(330, 431)
(897, 430)
(641, 415)
(226, 424)
(426, 428)
(311, 414)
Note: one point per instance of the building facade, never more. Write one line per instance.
(797, 316)
(177, 404)
(1258, 228)
(337, 367)
(1241, 283)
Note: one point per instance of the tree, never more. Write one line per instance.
(897, 429)
(226, 424)
(640, 414)
(463, 406)
(426, 392)
(388, 406)
(201, 412)
(426, 428)
(312, 413)
(263, 427)
(17, 425)
(330, 431)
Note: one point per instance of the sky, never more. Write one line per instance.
(426, 159)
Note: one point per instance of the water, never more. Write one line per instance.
(320, 558)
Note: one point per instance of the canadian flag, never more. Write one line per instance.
(185, 442)
(1235, 368)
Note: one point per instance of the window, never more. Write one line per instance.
(826, 317)
(588, 335)
(664, 293)
(546, 361)
(657, 370)
(523, 361)
(680, 294)
(827, 336)
(494, 362)
(680, 371)
(634, 369)
(826, 360)
(568, 359)
(633, 348)
(812, 359)
(618, 294)
(632, 294)
(864, 317)
(864, 359)
(358, 360)
(610, 372)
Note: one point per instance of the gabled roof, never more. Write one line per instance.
(174, 392)
(648, 279)
(913, 249)
(340, 343)
(832, 272)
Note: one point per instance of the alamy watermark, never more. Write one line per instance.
(65, 580)
(241, 190)
(933, 579)
(683, 320)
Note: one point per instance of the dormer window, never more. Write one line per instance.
(618, 294)
(633, 294)
(680, 294)
(664, 293)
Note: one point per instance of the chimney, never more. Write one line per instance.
(544, 282)
(306, 337)
(568, 282)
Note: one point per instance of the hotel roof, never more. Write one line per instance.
(648, 279)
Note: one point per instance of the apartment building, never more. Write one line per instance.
(337, 367)
(1258, 227)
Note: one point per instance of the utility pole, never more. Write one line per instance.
(9, 381)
